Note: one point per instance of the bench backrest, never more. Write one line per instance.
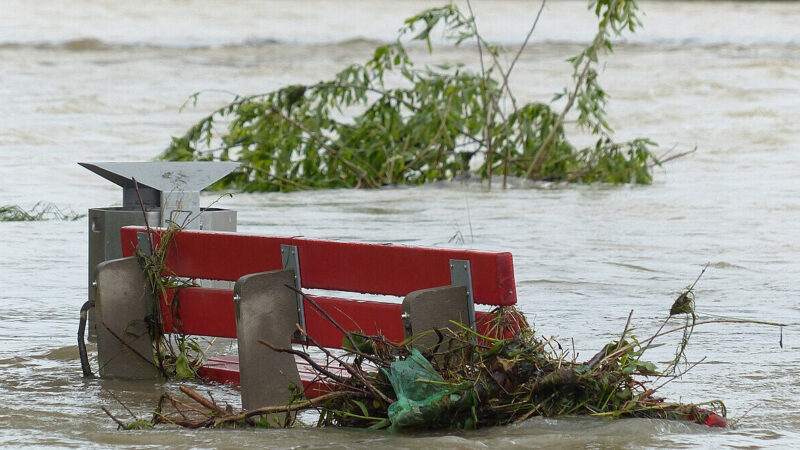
(340, 266)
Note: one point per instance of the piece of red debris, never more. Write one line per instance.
(715, 420)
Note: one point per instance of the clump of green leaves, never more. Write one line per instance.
(138, 424)
(501, 374)
(472, 380)
(40, 211)
(177, 355)
(389, 121)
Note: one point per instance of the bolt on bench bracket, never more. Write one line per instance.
(461, 275)
(290, 260)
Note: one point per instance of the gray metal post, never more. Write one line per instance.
(427, 309)
(461, 275)
(169, 191)
(123, 303)
(266, 309)
(291, 260)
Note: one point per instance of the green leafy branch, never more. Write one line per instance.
(387, 121)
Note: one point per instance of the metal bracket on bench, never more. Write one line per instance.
(461, 275)
(179, 217)
(144, 243)
(290, 260)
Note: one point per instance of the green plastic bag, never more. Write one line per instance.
(423, 397)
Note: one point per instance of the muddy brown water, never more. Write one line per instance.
(99, 81)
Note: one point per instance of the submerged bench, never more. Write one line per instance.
(438, 285)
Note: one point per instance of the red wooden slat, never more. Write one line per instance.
(210, 312)
(342, 266)
(225, 369)
(202, 312)
(399, 270)
(368, 317)
(214, 255)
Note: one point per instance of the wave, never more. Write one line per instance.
(89, 25)
(90, 44)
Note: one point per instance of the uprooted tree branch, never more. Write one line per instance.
(388, 121)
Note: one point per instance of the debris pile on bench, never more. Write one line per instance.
(465, 380)
(419, 365)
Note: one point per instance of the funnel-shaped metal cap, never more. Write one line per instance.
(163, 176)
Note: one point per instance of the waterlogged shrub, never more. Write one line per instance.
(436, 123)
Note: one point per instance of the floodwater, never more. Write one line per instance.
(103, 81)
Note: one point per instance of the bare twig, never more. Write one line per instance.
(628, 347)
(625, 330)
(175, 402)
(676, 376)
(644, 349)
(144, 215)
(732, 424)
(698, 277)
(121, 404)
(487, 101)
(200, 399)
(288, 408)
(135, 352)
(664, 158)
(333, 322)
(120, 424)
(478, 39)
(522, 47)
(349, 368)
(544, 149)
(307, 358)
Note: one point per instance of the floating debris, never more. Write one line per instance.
(40, 211)
(466, 380)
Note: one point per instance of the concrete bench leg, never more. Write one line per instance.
(427, 309)
(266, 309)
(123, 301)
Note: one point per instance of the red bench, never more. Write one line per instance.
(487, 277)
